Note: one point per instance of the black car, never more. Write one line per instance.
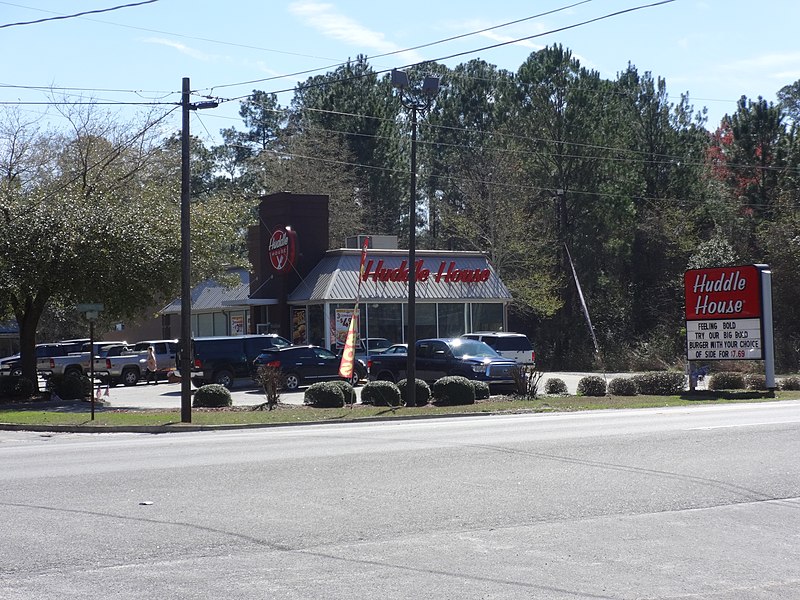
(224, 359)
(304, 365)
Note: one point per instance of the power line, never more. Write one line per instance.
(80, 14)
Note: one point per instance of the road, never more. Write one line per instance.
(698, 502)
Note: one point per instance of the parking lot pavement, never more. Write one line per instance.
(168, 395)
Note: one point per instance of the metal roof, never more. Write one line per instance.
(210, 295)
(336, 277)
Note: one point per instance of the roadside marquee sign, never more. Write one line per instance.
(729, 314)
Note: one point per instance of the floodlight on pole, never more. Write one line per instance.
(416, 101)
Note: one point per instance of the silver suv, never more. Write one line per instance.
(514, 346)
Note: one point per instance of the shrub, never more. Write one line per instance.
(324, 394)
(726, 380)
(790, 383)
(422, 391)
(755, 381)
(660, 383)
(554, 385)
(347, 390)
(482, 391)
(212, 395)
(380, 393)
(592, 385)
(622, 386)
(454, 390)
(526, 380)
(271, 380)
(71, 387)
(24, 388)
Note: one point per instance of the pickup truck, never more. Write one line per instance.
(127, 368)
(439, 357)
(75, 362)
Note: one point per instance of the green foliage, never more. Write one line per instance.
(324, 394)
(212, 395)
(24, 388)
(555, 386)
(526, 380)
(71, 387)
(592, 385)
(790, 383)
(755, 381)
(660, 383)
(380, 393)
(726, 380)
(422, 392)
(622, 386)
(348, 393)
(453, 390)
(482, 390)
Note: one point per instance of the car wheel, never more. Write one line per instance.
(198, 383)
(16, 372)
(224, 377)
(355, 378)
(291, 382)
(130, 377)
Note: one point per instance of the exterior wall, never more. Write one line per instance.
(307, 216)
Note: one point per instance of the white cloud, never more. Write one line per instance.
(767, 61)
(329, 22)
(182, 48)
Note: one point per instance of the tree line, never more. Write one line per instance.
(545, 169)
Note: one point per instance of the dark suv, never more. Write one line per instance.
(304, 365)
(224, 359)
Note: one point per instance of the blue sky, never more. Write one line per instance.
(716, 50)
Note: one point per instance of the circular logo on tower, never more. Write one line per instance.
(281, 249)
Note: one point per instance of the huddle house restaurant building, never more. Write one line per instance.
(306, 292)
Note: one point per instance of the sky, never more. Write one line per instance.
(713, 50)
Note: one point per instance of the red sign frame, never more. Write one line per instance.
(723, 293)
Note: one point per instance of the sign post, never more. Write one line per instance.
(729, 315)
(91, 312)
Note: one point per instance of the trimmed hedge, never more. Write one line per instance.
(324, 394)
(482, 391)
(347, 390)
(790, 383)
(212, 395)
(726, 380)
(622, 386)
(592, 385)
(453, 390)
(755, 381)
(422, 392)
(555, 386)
(660, 383)
(380, 393)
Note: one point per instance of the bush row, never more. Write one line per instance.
(451, 391)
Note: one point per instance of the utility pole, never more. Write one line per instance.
(186, 287)
(186, 256)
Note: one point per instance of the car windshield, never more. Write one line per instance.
(378, 343)
(464, 347)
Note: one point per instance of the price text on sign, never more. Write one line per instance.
(724, 339)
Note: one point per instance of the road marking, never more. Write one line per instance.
(741, 425)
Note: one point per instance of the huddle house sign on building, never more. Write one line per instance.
(299, 286)
(729, 314)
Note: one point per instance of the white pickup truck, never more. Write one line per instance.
(77, 363)
(129, 367)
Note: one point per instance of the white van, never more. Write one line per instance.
(515, 346)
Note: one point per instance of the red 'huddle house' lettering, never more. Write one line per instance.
(446, 272)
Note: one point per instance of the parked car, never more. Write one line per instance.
(12, 365)
(515, 346)
(226, 359)
(396, 349)
(304, 365)
(439, 357)
(77, 363)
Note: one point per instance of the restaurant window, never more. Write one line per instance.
(451, 319)
(487, 316)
